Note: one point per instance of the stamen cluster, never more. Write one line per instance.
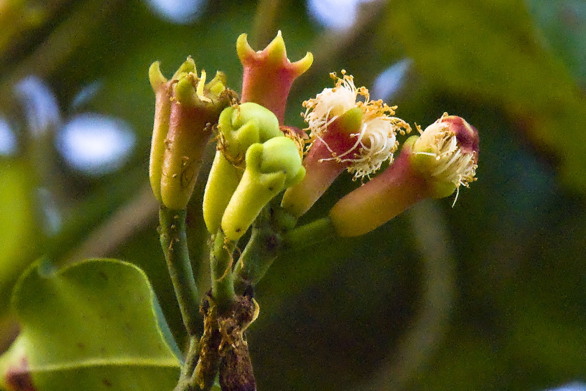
(452, 162)
(375, 141)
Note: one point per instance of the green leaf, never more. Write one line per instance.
(563, 25)
(92, 326)
(18, 228)
(492, 51)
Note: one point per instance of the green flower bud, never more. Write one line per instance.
(239, 127)
(270, 168)
(222, 182)
(186, 110)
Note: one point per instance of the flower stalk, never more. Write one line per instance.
(174, 243)
(260, 252)
(432, 165)
(221, 264)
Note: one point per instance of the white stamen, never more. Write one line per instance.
(375, 142)
(452, 164)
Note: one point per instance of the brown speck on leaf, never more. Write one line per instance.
(107, 382)
(18, 377)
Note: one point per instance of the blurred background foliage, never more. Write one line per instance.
(488, 295)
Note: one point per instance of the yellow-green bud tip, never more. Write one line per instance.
(243, 125)
(276, 49)
(184, 92)
(218, 84)
(188, 66)
(243, 47)
(156, 77)
(281, 154)
(350, 122)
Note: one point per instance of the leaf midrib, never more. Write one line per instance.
(93, 363)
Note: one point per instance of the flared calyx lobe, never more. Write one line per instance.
(268, 74)
(432, 165)
(271, 167)
(239, 127)
(348, 131)
(186, 110)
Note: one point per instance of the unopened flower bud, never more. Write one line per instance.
(349, 132)
(239, 127)
(186, 110)
(242, 125)
(432, 165)
(270, 168)
(268, 74)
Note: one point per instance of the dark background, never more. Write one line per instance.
(487, 295)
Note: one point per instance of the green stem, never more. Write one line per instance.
(190, 359)
(260, 252)
(221, 261)
(188, 368)
(174, 243)
(309, 234)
